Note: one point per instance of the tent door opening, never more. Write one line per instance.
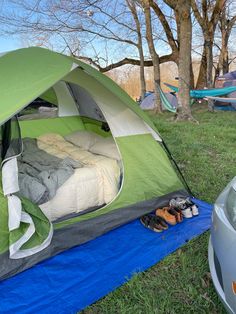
(88, 173)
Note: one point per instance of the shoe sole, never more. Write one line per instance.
(188, 217)
(187, 214)
(195, 211)
(154, 229)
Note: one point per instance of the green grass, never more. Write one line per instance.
(181, 283)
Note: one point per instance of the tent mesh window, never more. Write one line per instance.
(88, 107)
(39, 109)
(11, 139)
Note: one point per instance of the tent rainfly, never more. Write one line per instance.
(90, 103)
(227, 80)
(168, 100)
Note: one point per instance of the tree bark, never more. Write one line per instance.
(208, 25)
(202, 80)
(172, 41)
(153, 53)
(132, 6)
(192, 83)
(209, 63)
(226, 25)
(142, 74)
(185, 38)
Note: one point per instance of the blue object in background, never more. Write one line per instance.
(202, 93)
(72, 280)
(225, 108)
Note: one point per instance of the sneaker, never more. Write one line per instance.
(187, 212)
(166, 215)
(195, 210)
(194, 207)
(177, 202)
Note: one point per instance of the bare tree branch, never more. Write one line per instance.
(147, 63)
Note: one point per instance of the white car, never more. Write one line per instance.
(222, 246)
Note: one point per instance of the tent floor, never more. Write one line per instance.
(74, 279)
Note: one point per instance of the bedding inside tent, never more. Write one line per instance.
(67, 173)
(87, 163)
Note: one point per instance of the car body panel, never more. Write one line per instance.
(222, 252)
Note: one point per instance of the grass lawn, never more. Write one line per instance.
(206, 154)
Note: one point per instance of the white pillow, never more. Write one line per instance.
(83, 139)
(106, 147)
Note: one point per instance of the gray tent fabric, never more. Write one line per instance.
(231, 83)
(229, 76)
(82, 232)
(87, 105)
(149, 102)
(228, 79)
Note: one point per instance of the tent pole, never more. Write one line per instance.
(177, 167)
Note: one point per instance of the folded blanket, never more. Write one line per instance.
(41, 174)
(107, 169)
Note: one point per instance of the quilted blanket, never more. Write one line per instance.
(95, 184)
(41, 174)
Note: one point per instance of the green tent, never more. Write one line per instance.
(87, 101)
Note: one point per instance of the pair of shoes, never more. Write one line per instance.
(154, 223)
(177, 213)
(170, 215)
(187, 207)
(194, 208)
(190, 211)
(178, 202)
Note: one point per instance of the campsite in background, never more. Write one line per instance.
(117, 140)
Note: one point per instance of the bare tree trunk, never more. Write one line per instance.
(209, 62)
(206, 66)
(185, 35)
(201, 81)
(208, 24)
(132, 6)
(217, 73)
(154, 55)
(191, 74)
(142, 74)
(157, 82)
(225, 62)
(226, 26)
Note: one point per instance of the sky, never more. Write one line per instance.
(9, 43)
(116, 52)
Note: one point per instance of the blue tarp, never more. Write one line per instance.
(74, 279)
